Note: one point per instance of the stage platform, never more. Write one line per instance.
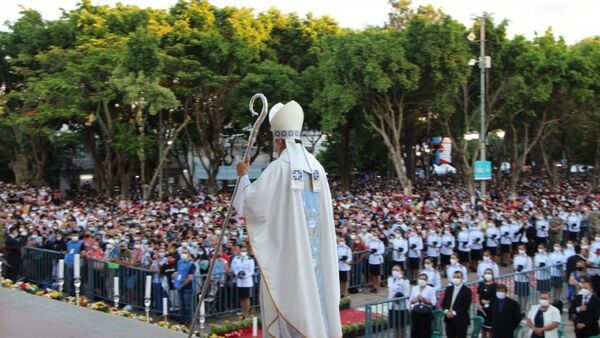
(28, 316)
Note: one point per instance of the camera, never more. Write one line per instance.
(344, 258)
(448, 243)
(519, 268)
(435, 243)
(493, 236)
(477, 240)
(373, 250)
(242, 274)
(413, 246)
(544, 228)
(542, 265)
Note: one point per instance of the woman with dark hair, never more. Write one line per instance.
(398, 288)
(422, 301)
(486, 292)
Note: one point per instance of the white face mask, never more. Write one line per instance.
(544, 302)
(521, 252)
(541, 251)
(500, 295)
(557, 248)
(457, 281)
(453, 261)
(428, 266)
(422, 283)
(486, 258)
(487, 276)
(244, 254)
(396, 274)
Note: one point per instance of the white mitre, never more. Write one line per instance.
(286, 123)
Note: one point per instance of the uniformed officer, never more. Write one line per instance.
(464, 245)
(415, 245)
(487, 263)
(557, 272)
(505, 242)
(456, 266)
(243, 268)
(492, 235)
(344, 254)
(542, 260)
(399, 250)
(433, 276)
(522, 264)
(433, 245)
(376, 250)
(542, 229)
(448, 243)
(476, 245)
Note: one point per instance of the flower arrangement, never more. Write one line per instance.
(345, 303)
(100, 306)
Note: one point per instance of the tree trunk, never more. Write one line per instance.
(346, 159)
(597, 162)
(549, 165)
(20, 168)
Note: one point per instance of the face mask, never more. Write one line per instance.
(500, 295)
(185, 257)
(357, 241)
(422, 283)
(96, 247)
(521, 252)
(428, 266)
(541, 251)
(456, 281)
(487, 277)
(74, 238)
(396, 274)
(544, 302)
(557, 248)
(353, 236)
(137, 246)
(569, 245)
(486, 258)
(244, 254)
(597, 239)
(453, 261)
(585, 292)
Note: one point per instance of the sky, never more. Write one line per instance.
(571, 19)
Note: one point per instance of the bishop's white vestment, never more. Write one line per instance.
(293, 239)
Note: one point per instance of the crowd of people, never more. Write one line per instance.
(437, 233)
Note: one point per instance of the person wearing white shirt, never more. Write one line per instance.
(476, 245)
(433, 276)
(243, 268)
(376, 251)
(421, 295)
(455, 266)
(448, 243)
(399, 250)
(344, 254)
(596, 243)
(569, 250)
(557, 271)
(398, 287)
(542, 229)
(487, 263)
(492, 235)
(573, 225)
(464, 245)
(543, 319)
(542, 260)
(433, 245)
(415, 245)
(522, 264)
(505, 242)
(516, 231)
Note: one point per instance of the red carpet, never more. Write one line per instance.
(347, 316)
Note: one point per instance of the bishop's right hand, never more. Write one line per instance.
(242, 167)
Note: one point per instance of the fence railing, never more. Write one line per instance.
(97, 276)
(381, 322)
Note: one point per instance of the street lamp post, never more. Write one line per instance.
(482, 67)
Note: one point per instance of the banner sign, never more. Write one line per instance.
(483, 170)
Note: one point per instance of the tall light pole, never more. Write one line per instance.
(482, 67)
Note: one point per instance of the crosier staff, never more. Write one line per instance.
(251, 140)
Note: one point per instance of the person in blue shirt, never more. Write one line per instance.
(74, 246)
(183, 281)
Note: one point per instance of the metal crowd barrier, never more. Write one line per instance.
(359, 272)
(381, 322)
(97, 283)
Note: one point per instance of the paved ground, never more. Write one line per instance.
(23, 315)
